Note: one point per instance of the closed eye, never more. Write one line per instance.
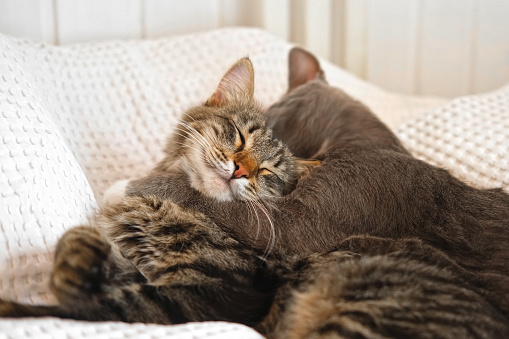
(253, 128)
(264, 171)
(242, 140)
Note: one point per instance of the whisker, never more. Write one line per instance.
(207, 154)
(197, 135)
(191, 128)
(189, 146)
(204, 150)
(184, 112)
(193, 135)
(257, 219)
(272, 237)
(191, 141)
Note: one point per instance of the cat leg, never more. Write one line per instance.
(128, 303)
(87, 264)
(12, 309)
(386, 297)
(201, 272)
(155, 234)
(93, 281)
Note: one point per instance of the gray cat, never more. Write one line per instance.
(367, 184)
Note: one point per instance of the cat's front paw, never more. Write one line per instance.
(79, 270)
(115, 193)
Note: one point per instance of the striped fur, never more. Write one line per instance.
(153, 261)
(385, 296)
(176, 266)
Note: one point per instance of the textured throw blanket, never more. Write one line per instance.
(75, 119)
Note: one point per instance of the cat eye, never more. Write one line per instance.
(253, 128)
(242, 140)
(264, 171)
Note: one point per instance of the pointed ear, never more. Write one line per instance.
(237, 83)
(305, 166)
(304, 67)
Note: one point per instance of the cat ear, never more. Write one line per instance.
(303, 67)
(237, 84)
(305, 166)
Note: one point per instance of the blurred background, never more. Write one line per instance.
(425, 47)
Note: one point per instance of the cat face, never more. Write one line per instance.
(226, 149)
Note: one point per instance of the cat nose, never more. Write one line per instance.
(240, 171)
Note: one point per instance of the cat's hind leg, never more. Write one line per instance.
(87, 264)
(93, 281)
(80, 271)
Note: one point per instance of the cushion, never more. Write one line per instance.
(75, 119)
(469, 136)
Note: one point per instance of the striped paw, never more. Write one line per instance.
(79, 270)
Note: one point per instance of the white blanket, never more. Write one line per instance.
(75, 119)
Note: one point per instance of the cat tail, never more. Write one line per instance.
(12, 309)
(133, 303)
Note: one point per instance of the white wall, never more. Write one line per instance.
(442, 47)
(446, 47)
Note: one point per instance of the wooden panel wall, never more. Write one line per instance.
(440, 47)
(78, 21)
(28, 18)
(491, 52)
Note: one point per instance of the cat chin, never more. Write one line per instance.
(212, 186)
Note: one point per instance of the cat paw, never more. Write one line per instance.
(79, 270)
(115, 193)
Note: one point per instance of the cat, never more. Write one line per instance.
(369, 287)
(159, 262)
(367, 184)
(224, 148)
(227, 153)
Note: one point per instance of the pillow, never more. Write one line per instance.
(43, 190)
(48, 328)
(468, 136)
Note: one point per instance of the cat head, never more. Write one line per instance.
(226, 149)
(307, 107)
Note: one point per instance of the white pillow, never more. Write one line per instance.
(43, 190)
(468, 136)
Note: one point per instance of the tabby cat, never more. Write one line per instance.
(173, 264)
(159, 262)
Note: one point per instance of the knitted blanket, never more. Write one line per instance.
(75, 119)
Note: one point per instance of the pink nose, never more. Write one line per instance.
(240, 171)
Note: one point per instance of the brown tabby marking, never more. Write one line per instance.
(387, 297)
(185, 269)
